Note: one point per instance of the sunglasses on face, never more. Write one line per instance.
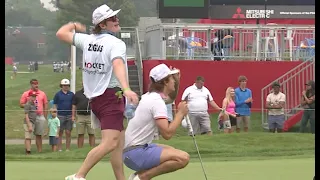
(113, 19)
(54, 112)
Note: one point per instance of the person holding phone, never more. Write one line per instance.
(229, 116)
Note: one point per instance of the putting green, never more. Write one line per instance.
(276, 169)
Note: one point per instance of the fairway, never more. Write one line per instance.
(275, 169)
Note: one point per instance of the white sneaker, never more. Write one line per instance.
(134, 176)
(131, 176)
(73, 177)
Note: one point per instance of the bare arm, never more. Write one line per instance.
(268, 105)
(66, 32)
(174, 109)
(166, 129)
(309, 100)
(303, 101)
(214, 105)
(58, 130)
(119, 69)
(74, 107)
(27, 118)
(23, 100)
(45, 110)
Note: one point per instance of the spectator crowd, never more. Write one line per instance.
(67, 111)
(70, 110)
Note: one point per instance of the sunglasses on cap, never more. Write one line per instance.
(113, 18)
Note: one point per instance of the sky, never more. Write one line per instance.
(48, 5)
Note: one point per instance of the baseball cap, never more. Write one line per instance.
(65, 82)
(103, 12)
(161, 71)
(32, 93)
(310, 83)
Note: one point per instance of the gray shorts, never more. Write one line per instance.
(245, 120)
(53, 140)
(276, 121)
(65, 123)
(200, 122)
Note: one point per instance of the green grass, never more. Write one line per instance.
(245, 156)
(215, 148)
(275, 169)
(49, 83)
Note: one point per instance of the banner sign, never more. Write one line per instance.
(261, 12)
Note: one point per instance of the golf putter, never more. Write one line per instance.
(195, 142)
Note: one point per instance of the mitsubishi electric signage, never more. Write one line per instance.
(261, 12)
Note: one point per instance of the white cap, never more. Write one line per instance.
(161, 71)
(101, 13)
(65, 82)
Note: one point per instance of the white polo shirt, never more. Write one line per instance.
(142, 127)
(197, 99)
(276, 99)
(99, 51)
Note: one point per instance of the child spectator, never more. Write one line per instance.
(30, 118)
(53, 129)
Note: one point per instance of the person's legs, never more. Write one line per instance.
(109, 142)
(246, 123)
(69, 126)
(304, 121)
(27, 139)
(239, 121)
(233, 121)
(279, 123)
(109, 109)
(90, 131)
(227, 126)
(194, 123)
(116, 159)
(312, 121)
(80, 130)
(272, 123)
(171, 159)
(38, 131)
(53, 141)
(205, 124)
(63, 124)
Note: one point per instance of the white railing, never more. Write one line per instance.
(138, 61)
(249, 42)
(292, 85)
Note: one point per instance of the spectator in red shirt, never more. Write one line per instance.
(41, 104)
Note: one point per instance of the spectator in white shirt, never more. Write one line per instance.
(275, 103)
(198, 98)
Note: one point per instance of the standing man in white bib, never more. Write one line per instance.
(105, 78)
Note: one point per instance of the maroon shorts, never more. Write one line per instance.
(109, 109)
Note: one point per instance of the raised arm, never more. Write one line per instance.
(66, 32)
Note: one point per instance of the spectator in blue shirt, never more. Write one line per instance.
(63, 103)
(243, 104)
